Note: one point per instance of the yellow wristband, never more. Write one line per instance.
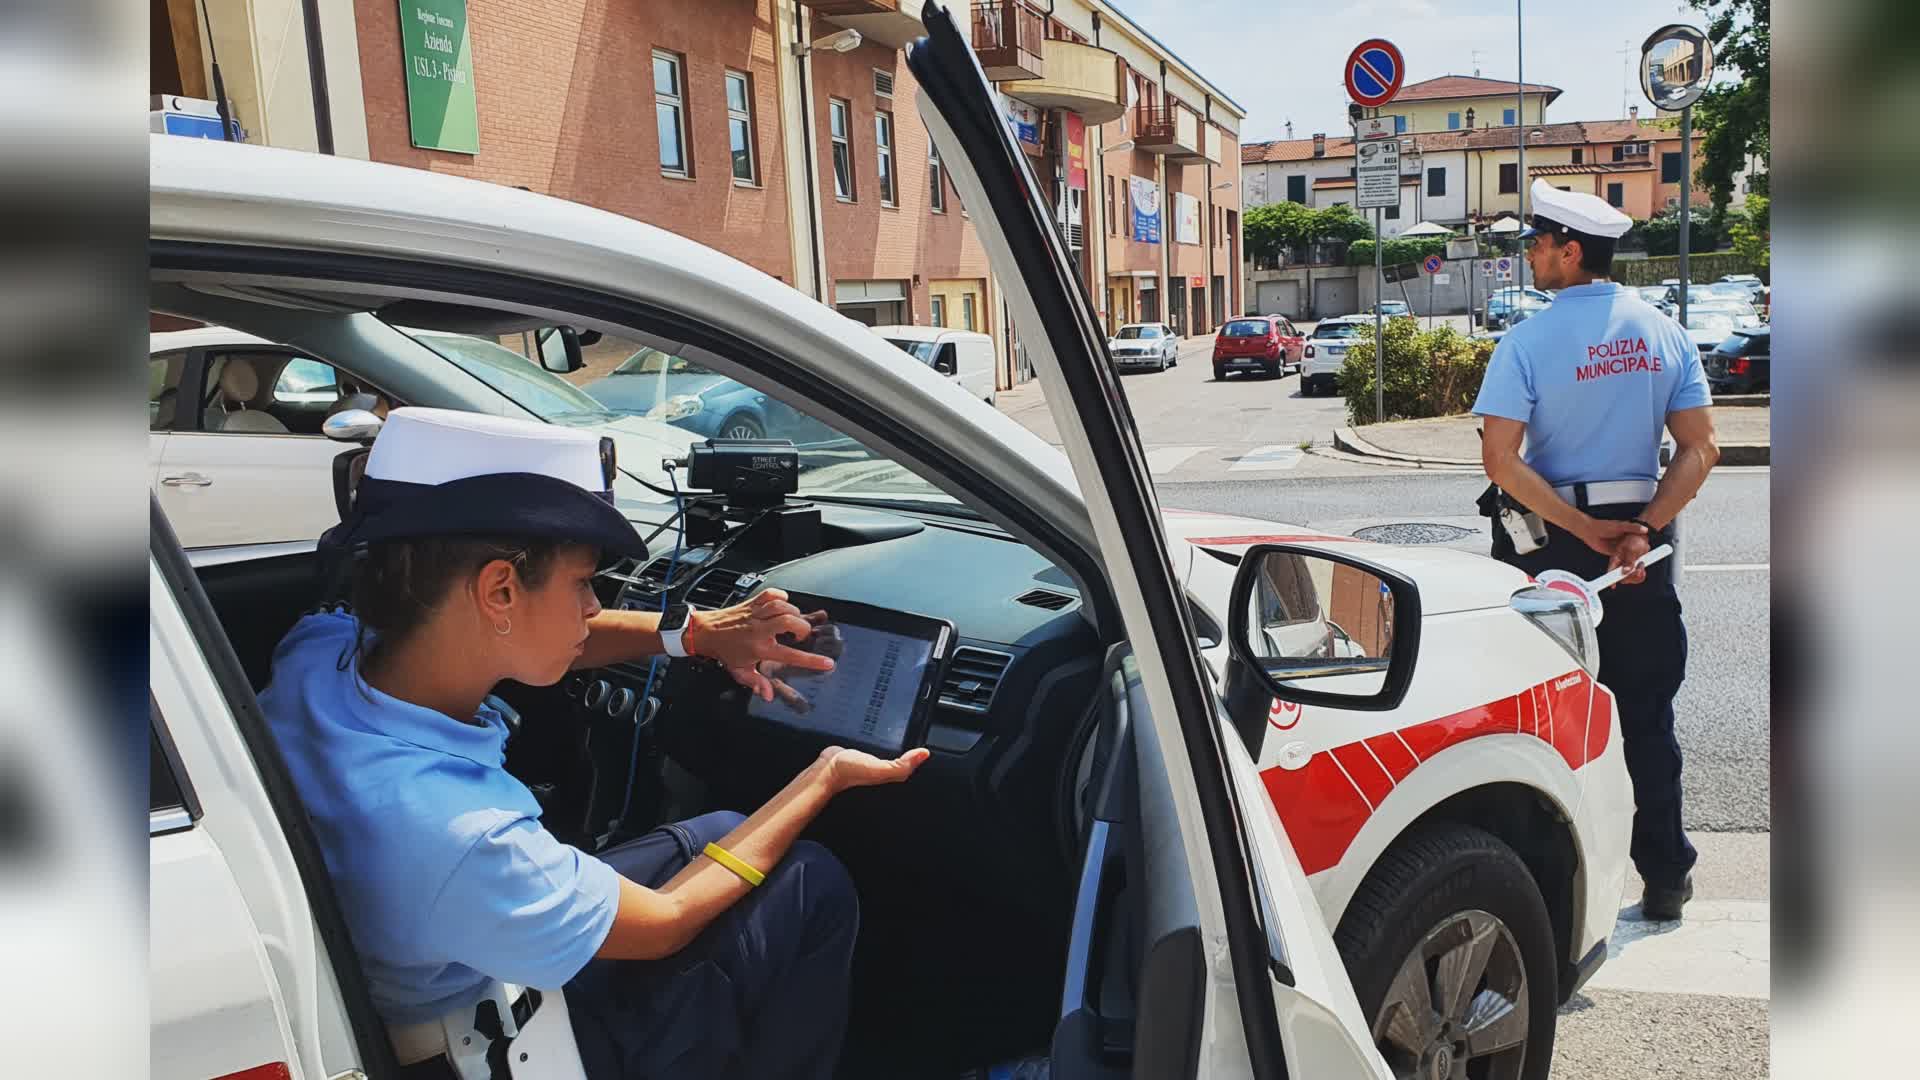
(732, 862)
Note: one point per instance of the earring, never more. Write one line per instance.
(503, 631)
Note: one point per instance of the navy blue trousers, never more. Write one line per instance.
(762, 992)
(1643, 660)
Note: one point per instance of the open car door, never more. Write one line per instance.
(1197, 948)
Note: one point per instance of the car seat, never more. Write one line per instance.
(514, 1032)
(239, 386)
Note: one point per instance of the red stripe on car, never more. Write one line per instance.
(1325, 803)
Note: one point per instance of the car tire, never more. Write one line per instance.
(1444, 894)
(742, 426)
(1219, 373)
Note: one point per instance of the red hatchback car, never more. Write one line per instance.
(1264, 343)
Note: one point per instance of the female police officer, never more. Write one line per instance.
(707, 948)
(1589, 383)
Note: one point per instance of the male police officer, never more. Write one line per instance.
(1589, 382)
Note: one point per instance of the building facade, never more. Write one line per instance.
(761, 129)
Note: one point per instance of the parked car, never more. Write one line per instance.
(1742, 363)
(1502, 303)
(1453, 805)
(687, 394)
(1709, 326)
(1653, 294)
(1755, 288)
(1391, 308)
(1144, 345)
(1263, 343)
(1326, 351)
(965, 356)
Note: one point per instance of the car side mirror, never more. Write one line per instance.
(1299, 616)
(352, 425)
(560, 349)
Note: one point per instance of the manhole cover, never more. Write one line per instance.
(1413, 532)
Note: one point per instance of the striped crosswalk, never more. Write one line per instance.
(1162, 460)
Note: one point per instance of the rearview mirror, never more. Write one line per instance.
(560, 350)
(352, 425)
(1350, 628)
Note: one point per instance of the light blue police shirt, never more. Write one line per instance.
(1593, 377)
(437, 853)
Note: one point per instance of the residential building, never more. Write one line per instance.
(1457, 102)
(742, 125)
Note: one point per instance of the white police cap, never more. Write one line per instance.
(440, 472)
(1556, 211)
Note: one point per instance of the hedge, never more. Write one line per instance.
(1433, 372)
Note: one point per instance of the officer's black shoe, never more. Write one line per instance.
(1663, 904)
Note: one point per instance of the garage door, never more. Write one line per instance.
(1278, 298)
(1336, 296)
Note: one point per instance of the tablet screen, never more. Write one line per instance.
(882, 684)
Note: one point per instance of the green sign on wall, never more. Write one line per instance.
(439, 59)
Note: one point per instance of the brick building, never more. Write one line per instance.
(759, 128)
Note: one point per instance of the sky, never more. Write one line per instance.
(1280, 59)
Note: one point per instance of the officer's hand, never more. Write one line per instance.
(857, 768)
(1626, 552)
(1603, 536)
(742, 636)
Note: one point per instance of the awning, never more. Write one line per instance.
(868, 292)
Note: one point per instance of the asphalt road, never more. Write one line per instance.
(1673, 1000)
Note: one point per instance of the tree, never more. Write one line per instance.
(1268, 230)
(1753, 233)
(1339, 222)
(1660, 234)
(1732, 119)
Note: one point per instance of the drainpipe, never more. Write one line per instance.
(1211, 238)
(317, 73)
(807, 153)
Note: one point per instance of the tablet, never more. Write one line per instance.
(879, 697)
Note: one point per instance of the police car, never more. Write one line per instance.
(1197, 780)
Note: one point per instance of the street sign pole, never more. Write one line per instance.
(1686, 202)
(1374, 72)
(1379, 324)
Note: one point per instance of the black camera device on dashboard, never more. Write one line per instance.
(746, 471)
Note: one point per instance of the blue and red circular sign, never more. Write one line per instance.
(1375, 71)
(1431, 264)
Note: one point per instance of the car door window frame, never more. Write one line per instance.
(180, 809)
(1071, 336)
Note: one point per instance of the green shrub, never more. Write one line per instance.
(1433, 372)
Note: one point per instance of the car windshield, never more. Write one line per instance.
(517, 378)
(1129, 332)
(1337, 330)
(1246, 328)
(652, 386)
(1735, 344)
(919, 350)
(1653, 294)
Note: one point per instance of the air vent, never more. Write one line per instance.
(714, 590)
(883, 83)
(1044, 598)
(972, 676)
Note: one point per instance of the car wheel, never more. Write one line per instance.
(1452, 956)
(742, 426)
(1219, 373)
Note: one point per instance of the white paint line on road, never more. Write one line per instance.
(1267, 457)
(1723, 949)
(1165, 459)
(1728, 568)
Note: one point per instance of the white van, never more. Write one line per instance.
(964, 356)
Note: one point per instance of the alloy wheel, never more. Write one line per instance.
(1459, 1007)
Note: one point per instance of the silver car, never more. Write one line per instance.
(1145, 345)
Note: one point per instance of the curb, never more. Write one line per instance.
(1345, 440)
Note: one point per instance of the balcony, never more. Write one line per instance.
(893, 23)
(1080, 78)
(1171, 130)
(1009, 37)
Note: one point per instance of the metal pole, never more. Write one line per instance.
(317, 76)
(1520, 114)
(1379, 331)
(1686, 202)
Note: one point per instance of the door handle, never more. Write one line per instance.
(192, 479)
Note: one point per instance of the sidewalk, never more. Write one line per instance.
(1745, 435)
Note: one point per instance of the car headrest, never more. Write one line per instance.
(239, 382)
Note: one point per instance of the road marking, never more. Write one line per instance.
(1165, 459)
(1727, 568)
(1267, 457)
(1723, 949)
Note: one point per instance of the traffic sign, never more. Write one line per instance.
(1504, 266)
(1375, 70)
(1377, 173)
(1432, 264)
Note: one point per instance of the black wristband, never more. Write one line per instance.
(1655, 537)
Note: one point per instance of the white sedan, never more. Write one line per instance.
(1144, 345)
